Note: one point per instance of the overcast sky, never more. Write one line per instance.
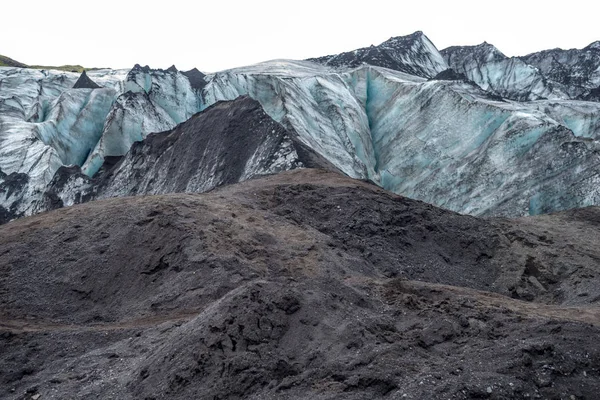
(224, 34)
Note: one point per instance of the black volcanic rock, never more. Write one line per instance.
(139, 68)
(305, 284)
(196, 78)
(172, 68)
(84, 82)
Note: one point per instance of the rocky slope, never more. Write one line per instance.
(302, 284)
(9, 62)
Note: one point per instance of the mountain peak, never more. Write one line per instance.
(412, 54)
(172, 68)
(593, 46)
(489, 47)
(484, 52)
(196, 78)
(84, 82)
(417, 36)
(138, 67)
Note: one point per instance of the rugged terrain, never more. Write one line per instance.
(286, 278)
(465, 128)
(305, 284)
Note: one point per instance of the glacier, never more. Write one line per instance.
(442, 142)
(507, 77)
(505, 141)
(550, 74)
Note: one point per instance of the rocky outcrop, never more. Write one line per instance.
(196, 78)
(84, 82)
(450, 75)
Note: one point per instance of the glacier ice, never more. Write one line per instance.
(153, 101)
(449, 143)
(507, 77)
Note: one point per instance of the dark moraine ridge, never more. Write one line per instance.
(305, 284)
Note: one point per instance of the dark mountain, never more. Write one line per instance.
(84, 82)
(196, 78)
(413, 54)
(300, 285)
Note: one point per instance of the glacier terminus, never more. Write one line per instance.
(466, 128)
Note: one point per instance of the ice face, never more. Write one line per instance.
(507, 77)
(28, 94)
(154, 101)
(45, 124)
(74, 123)
(132, 118)
(581, 117)
(444, 143)
(315, 102)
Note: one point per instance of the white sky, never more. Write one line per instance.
(224, 34)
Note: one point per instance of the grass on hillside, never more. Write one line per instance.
(9, 62)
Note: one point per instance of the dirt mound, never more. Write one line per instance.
(304, 284)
